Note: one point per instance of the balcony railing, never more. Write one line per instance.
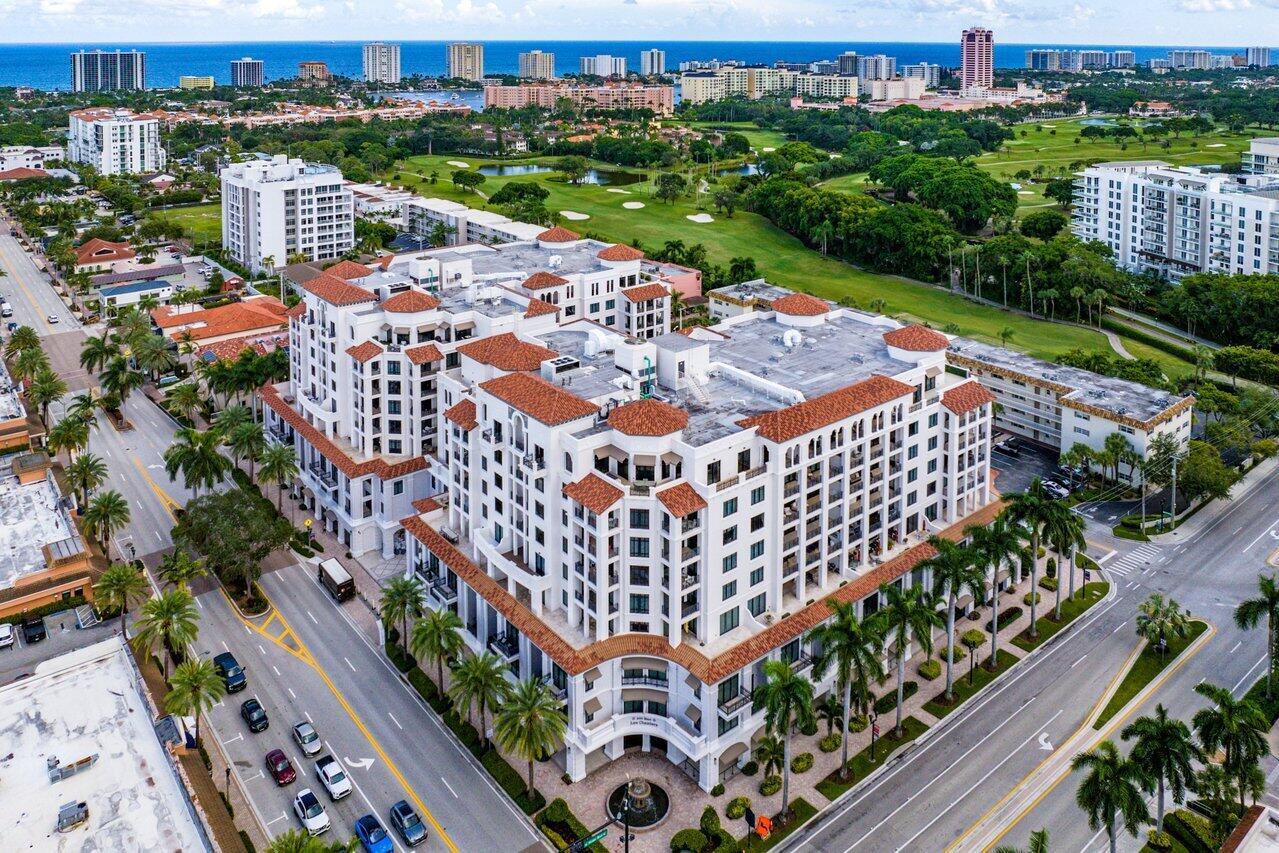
(505, 645)
(732, 704)
(646, 680)
(442, 592)
(323, 475)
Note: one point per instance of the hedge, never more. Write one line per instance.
(736, 808)
(929, 669)
(802, 763)
(1007, 616)
(888, 702)
(771, 785)
(831, 742)
(1025, 599)
(1049, 584)
(511, 782)
(1190, 830)
(44, 610)
(690, 840)
(562, 827)
(1137, 334)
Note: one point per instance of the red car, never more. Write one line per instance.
(280, 768)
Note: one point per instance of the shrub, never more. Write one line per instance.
(710, 822)
(1042, 552)
(1007, 616)
(1049, 584)
(1051, 569)
(831, 742)
(802, 763)
(1159, 841)
(717, 790)
(557, 811)
(809, 730)
(771, 785)
(857, 723)
(888, 701)
(1025, 599)
(930, 669)
(960, 653)
(690, 840)
(1190, 830)
(750, 768)
(736, 808)
(44, 610)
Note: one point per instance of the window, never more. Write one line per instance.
(730, 534)
(712, 472)
(633, 706)
(728, 620)
(729, 590)
(639, 576)
(730, 562)
(397, 488)
(730, 507)
(639, 546)
(1081, 431)
(639, 603)
(756, 604)
(757, 576)
(639, 519)
(757, 495)
(744, 460)
(757, 549)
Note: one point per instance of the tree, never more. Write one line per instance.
(29, 363)
(69, 434)
(1202, 474)
(1038, 844)
(1250, 613)
(572, 168)
(234, 533)
(97, 352)
(910, 616)
(1110, 792)
(856, 648)
(86, 473)
(153, 355)
(1165, 753)
(997, 544)
(196, 455)
(279, 465)
(247, 441)
(1060, 190)
(1158, 618)
(480, 682)
(179, 569)
(467, 179)
(436, 638)
(529, 724)
(226, 421)
(1043, 224)
(669, 186)
(118, 587)
(118, 380)
(770, 753)
(171, 619)
(106, 513)
(196, 687)
(1236, 726)
(183, 400)
(1035, 509)
(787, 699)
(1065, 534)
(42, 389)
(301, 841)
(954, 570)
(726, 201)
(23, 338)
(402, 599)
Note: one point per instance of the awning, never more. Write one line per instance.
(694, 713)
(645, 663)
(645, 696)
(592, 674)
(692, 681)
(592, 705)
(731, 754)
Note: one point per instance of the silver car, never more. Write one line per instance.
(307, 739)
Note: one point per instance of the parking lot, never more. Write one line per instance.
(1017, 472)
(21, 659)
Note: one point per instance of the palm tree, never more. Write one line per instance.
(770, 754)
(23, 338)
(954, 570)
(85, 473)
(996, 544)
(29, 363)
(1034, 508)
(196, 687)
(856, 648)
(301, 841)
(106, 513)
(787, 699)
(183, 400)
(153, 356)
(437, 637)
(1236, 726)
(1265, 606)
(119, 586)
(247, 441)
(43, 389)
(1038, 844)
(69, 434)
(196, 455)
(910, 616)
(1110, 793)
(480, 682)
(1164, 751)
(231, 417)
(171, 619)
(179, 569)
(529, 724)
(1158, 618)
(1065, 533)
(118, 380)
(402, 598)
(279, 465)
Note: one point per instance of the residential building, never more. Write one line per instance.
(276, 209)
(603, 65)
(379, 200)
(753, 82)
(30, 156)
(653, 62)
(15, 428)
(195, 81)
(115, 141)
(1258, 57)
(1153, 109)
(846, 62)
(246, 73)
(536, 65)
(876, 67)
(827, 86)
(382, 63)
(100, 71)
(612, 96)
(249, 317)
(314, 73)
(1262, 156)
(1122, 59)
(909, 88)
(427, 218)
(1222, 61)
(96, 255)
(465, 61)
(1093, 60)
(1043, 59)
(977, 52)
(926, 71)
(1190, 59)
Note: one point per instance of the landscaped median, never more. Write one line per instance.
(1146, 668)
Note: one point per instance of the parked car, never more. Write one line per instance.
(254, 714)
(277, 763)
(33, 630)
(232, 673)
(6, 635)
(332, 777)
(373, 837)
(306, 737)
(407, 823)
(310, 812)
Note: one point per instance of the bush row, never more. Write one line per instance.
(44, 610)
(1190, 830)
(1007, 616)
(1137, 334)
(888, 702)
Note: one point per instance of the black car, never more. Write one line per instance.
(253, 714)
(232, 673)
(408, 824)
(33, 630)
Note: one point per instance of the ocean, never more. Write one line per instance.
(47, 66)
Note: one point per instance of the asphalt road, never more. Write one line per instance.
(29, 291)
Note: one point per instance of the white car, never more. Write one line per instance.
(310, 812)
(307, 739)
(6, 635)
(53, 318)
(332, 777)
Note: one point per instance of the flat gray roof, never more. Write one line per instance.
(10, 403)
(31, 517)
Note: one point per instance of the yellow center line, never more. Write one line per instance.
(169, 503)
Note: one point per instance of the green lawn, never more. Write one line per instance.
(1071, 609)
(758, 138)
(938, 707)
(1146, 669)
(203, 222)
(860, 765)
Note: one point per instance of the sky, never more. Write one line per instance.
(1156, 22)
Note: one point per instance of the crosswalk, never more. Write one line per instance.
(1136, 560)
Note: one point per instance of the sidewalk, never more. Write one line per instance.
(1206, 518)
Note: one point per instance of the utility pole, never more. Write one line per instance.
(1174, 492)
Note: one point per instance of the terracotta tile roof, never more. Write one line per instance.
(424, 353)
(296, 311)
(384, 262)
(681, 500)
(231, 348)
(963, 398)
(539, 307)
(648, 417)
(347, 270)
(237, 318)
(463, 414)
(558, 234)
(709, 670)
(379, 468)
(99, 251)
(594, 492)
(425, 505)
(410, 302)
(620, 252)
(645, 292)
(794, 421)
(335, 291)
(22, 173)
(539, 399)
(366, 351)
(507, 352)
(543, 280)
(916, 338)
(1245, 825)
(801, 305)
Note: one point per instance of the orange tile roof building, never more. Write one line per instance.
(253, 317)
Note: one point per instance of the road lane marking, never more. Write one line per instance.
(276, 668)
(1246, 675)
(397, 722)
(312, 615)
(240, 736)
(291, 693)
(1235, 647)
(1120, 625)
(282, 816)
(1081, 660)
(262, 650)
(450, 787)
(348, 663)
(225, 646)
(1260, 536)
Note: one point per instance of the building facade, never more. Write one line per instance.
(246, 73)
(926, 71)
(427, 218)
(977, 56)
(537, 65)
(1199, 60)
(195, 81)
(115, 141)
(30, 156)
(314, 73)
(100, 71)
(465, 60)
(279, 208)
(652, 62)
(603, 65)
(382, 63)
(753, 82)
(876, 67)
(1258, 57)
(659, 99)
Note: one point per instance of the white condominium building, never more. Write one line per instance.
(536, 65)
(652, 62)
(465, 60)
(115, 141)
(246, 73)
(102, 71)
(1262, 156)
(30, 156)
(1196, 59)
(926, 71)
(1258, 57)
(274, 209)
(755, 82)
(382, 63)
(428, 218)
(603, 65)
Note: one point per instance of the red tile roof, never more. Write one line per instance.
(296, 311)
(425, 505)
(463, 414)
(594, 492)
(231, 348)
(681, 500)
(539, 399)
(506, 352)
(22, 173)
(558, 234)
(543, 280)
(620, 252)
(259, 314)
(794, 421)
(916, 338)
(366, 351)
(645, 292)
(648, 417)
(963, 398)
(539, 307)
(335, 291)
(801, 305)
(347, 270)
(99, 251)
(424, 353)
(410, 302)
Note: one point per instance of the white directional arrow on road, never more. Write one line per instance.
(362, 764)
(1044, 743)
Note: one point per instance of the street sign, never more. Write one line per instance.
(597, 835)
(1087, 575)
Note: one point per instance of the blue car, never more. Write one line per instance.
(373, 837)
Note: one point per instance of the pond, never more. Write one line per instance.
(1098, 122)
(600, 177)
(744, 169)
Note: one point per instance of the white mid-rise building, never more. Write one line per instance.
(652, 62)
(926, 71)
(1258, 57)
(603, 65)
(275, 209)
(753, 82)
(1262, 156)
(382, 63)
(1190, 59)
(115, 141)
(537, 65)
(30, 156)
(457, 224)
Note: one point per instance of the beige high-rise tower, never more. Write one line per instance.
(977, 51)
(466, 60)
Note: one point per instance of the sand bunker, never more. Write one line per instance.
(618, 191)
(574, 215)
(632, 205)
(1216, 145)
(1024, 192)
(458, 163)
(703, 218)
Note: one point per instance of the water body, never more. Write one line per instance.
(600, 177)
(47, 66)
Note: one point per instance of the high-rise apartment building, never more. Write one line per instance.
(1258, 57)
(100, 71)
(926, 71)
(1093, 60)
(1123, 59)
(115, 141)
(246, 73)
(313, 72)
(1043, 59)
(1198, 60)
(603, 65)
(466, 60)
(382, 63)
(876, 67)
(846, 62)
(275, 209)
(652, 62)
(536, 65)
(977, 54)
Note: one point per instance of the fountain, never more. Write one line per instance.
(639, 804)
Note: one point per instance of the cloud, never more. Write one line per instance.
(1214, 5)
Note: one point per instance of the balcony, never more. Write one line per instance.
(644, 680)
(323, 475)
(802, 663)
(732, 704)
(560, 693)
(505, 646)
(280, 434)
(442, 592)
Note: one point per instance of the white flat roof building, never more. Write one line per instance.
(115, 141)
(421, 216)
(753, 82)
(30, 156)
(382, 63)
(35, 528)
